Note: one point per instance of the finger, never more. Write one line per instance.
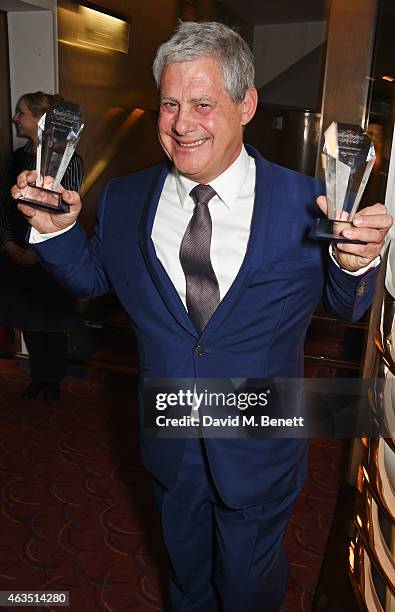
(322, 204)
(48, 182)
(368, 235)
(27, 211)
(375, 209)
(22, 179)
(72, 198)
(366, 251)
(16, 192)
(67, 196)
(378, 221)
(25, 177)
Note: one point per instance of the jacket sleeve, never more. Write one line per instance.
(76, 262)
(347, 296)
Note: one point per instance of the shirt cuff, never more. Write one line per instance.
(372, 264)
(35, 236)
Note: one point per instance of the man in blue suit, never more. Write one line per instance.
(208, 255)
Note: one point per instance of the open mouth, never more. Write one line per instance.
(191, 145)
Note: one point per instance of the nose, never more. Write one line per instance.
(183, 123)
(15, 118)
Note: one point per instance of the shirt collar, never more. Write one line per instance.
(227, 185)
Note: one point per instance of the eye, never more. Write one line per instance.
(169, 105)
(203, 107)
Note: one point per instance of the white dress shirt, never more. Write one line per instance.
(231, 213)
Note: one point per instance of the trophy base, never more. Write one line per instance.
(45, 199)
(331, 229)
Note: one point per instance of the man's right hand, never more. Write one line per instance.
(44, 221)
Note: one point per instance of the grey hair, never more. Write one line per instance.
(192, 40)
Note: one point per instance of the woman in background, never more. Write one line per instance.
(30, 299)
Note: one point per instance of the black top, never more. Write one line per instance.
(30, 298)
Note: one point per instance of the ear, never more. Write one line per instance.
(248, 105)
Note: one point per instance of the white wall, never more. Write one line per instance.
(33, 54)
(276, 47)
(26, 5)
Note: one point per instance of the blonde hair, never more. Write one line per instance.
(39, 102)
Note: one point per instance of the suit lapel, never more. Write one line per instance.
(156, 270)
(258, 239)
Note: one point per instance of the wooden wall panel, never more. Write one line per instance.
(109, 85)
(351, 30)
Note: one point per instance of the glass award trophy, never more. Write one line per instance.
(58, 133)
(348, 157)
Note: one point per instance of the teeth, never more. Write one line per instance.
(192, 144)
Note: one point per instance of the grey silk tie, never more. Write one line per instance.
(202, 296)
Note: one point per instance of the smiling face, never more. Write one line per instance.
(24, 121)
(200, 127)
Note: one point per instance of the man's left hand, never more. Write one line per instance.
(370, 225)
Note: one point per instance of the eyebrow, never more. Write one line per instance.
(168, 99)
(203, 99)
(200, 99)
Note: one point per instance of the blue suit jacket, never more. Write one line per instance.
(258, 330)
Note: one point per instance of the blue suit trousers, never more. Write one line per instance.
(222, 559)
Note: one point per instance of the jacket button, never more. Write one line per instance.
(361, 289)
(199, 350)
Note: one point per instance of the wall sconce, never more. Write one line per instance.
(101, 27)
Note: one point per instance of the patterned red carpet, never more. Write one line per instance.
(76, 507)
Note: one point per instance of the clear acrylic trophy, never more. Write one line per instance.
(58, 133)
(348, 157)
